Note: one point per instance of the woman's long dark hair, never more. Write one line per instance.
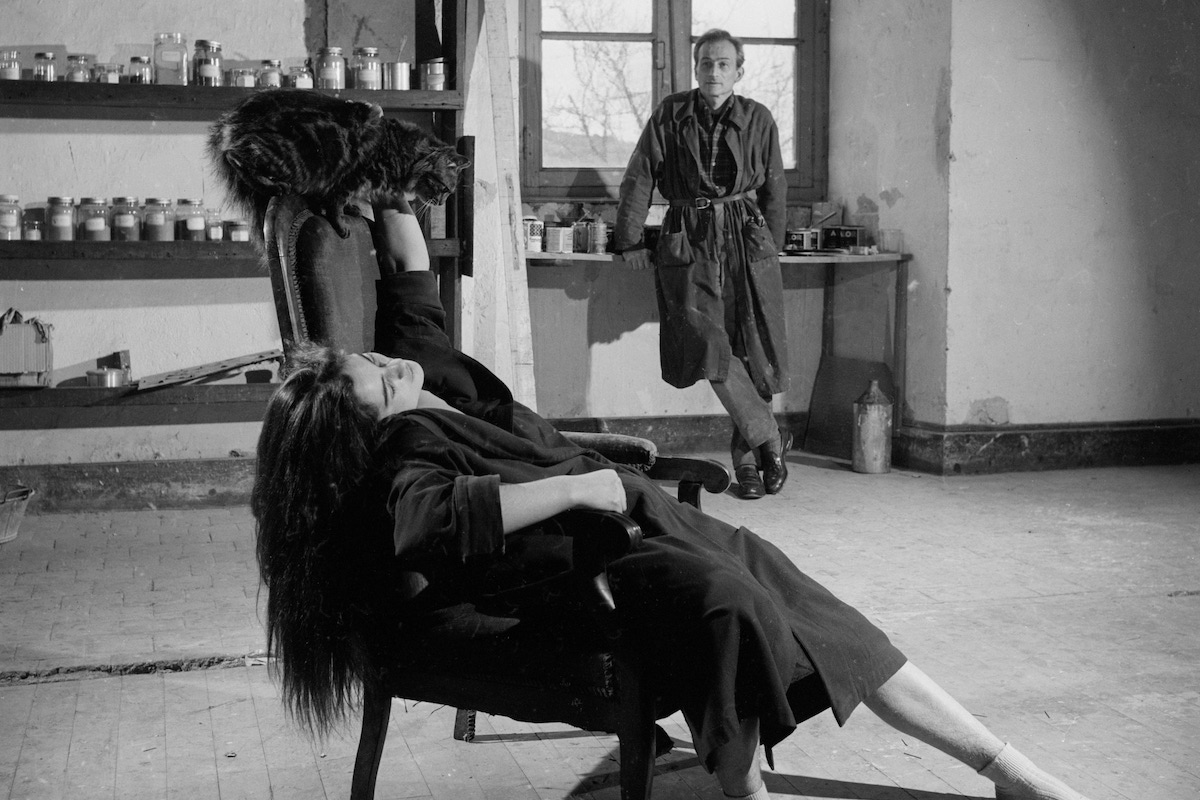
(314, 453)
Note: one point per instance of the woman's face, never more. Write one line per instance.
(385, 385)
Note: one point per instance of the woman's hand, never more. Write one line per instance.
(601, 490)
(524, 504)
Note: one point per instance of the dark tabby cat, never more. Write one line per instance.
(331, 151)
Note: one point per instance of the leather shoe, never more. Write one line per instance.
(749, 483)
(774, 465)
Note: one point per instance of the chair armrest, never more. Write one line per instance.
(692, 474)
(598, 537)
(621, 448)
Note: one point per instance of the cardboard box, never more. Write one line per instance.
(837, 237)
(26, 354)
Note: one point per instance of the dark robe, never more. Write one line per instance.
(730, 626)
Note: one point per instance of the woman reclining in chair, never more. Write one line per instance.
(427, 443)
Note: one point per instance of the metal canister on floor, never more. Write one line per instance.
(872, 447)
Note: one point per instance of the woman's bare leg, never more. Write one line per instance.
(912, 703)
(736, 762)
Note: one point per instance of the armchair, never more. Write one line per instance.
(470, 657)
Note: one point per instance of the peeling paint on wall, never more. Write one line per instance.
(992, 411)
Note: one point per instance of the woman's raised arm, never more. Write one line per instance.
(399, 240)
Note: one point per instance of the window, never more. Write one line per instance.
(593, 71)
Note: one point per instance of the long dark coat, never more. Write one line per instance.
(730, 624)
(690, 280)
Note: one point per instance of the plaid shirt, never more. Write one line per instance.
(719, 170)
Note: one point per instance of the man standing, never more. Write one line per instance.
(714, 156)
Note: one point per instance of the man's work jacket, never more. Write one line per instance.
(708, 244)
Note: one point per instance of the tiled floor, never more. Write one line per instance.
(1063, 608)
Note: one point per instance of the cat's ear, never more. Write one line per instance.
(376, 112)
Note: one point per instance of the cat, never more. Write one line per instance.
(328, 150)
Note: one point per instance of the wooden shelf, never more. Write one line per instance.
(87, 407)
(120, 101)
(75, 261)
(547, 259)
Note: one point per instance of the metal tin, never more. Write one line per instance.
(597, 237)
(108, 377)
(533, 229)
(396, 75)
(433, 74)
(559, 239)
(798, 240)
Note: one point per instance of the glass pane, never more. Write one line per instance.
(770, 79)
(609, 16)
(595, 100)
(774, 19)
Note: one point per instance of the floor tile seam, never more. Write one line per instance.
(10, 677)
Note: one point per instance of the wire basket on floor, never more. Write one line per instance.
(12, 509)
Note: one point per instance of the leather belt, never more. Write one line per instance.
(707, 202)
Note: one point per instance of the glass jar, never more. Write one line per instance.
(32, 229)
(170, 59)
(43, 67)
(79, 70)
(158, 220)
(10, 65)
(126, 219)
(92, 222)
(214, 228)
(366, 68)
(300, 78)
(330, 68)
(107, 72)
(242, 77)
(190, 220)
(206, 64)
(239, 231)
(270, 76)
(10, 217)
(60, 219)
(140, 70)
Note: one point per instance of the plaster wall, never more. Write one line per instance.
(888, 158)
(1073, 294)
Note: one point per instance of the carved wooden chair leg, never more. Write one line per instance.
(464, 725)
(377, 709)
(689, 492)
(636, 731)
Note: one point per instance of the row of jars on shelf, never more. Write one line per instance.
(95, 219)
(329, 69)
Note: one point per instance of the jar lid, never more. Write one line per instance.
(271, 62)
(139, 59)
(172, 37)
(329, 51)
(9, 198)
(77, 58)
(44, 55)
(366, 51)
(158, 201)
(208, 44)
(64, 200)
(93, 201)
(125, 201)
(190, 201)
(237, 223)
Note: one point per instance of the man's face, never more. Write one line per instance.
(717, 71)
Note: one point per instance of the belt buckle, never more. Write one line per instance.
(703, 202)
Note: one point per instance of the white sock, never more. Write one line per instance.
(1018, 778)
(761, 794)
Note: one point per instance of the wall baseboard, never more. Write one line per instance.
(941, 450)
(962, 450)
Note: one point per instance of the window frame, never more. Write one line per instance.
(671, 37)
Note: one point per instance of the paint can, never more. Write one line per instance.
(396, 75)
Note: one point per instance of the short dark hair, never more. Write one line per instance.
(718, 35)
